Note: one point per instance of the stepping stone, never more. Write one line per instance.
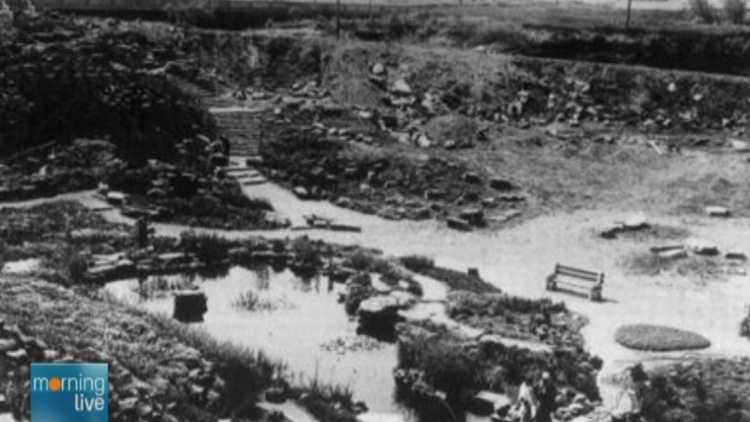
(673, 254)
(717, 211)
(254, 182)
(701, 247)
(735, 255)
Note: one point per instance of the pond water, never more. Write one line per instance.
(305, 317)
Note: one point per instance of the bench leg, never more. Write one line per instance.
(551, 283)
(596, 294)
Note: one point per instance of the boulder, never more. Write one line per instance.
(275, 395)
(636, 222)
(7, 344)
(434, 194)
(458, 223)
(473, 216)
(501, 184)
(472, 178)
(19, 355)
(736, 255)
(301, 192)
(116, 198)
(400, 87)
(378, 315)
(717, 211)
(701, 246)
(673, 253)
(486, 403)
(739, 145)
(189, 306)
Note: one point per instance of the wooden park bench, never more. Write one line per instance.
(577, 278)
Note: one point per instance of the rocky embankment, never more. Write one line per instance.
(90, 103)
(155, 371)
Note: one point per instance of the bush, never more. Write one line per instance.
(417, 263)
(77, 267)
(659, 338)
(307, 253)
(735, 11)
(702, 10)
(208, 248)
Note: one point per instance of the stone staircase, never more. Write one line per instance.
(241, 127)
(245, 176)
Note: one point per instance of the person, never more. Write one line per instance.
(547, 396)
(526, 400)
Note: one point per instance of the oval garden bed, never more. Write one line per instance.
(658, 338)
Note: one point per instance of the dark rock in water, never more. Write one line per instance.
(379, 315)
(189, 306)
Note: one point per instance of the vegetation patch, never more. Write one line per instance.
(515, 317)
(657, 338)
(652, 264)
(432, 359)
(455, 280)
(699, 390)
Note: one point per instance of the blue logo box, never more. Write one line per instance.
(69, 392)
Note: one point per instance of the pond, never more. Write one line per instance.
(306, 327)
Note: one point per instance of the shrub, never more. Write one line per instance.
(306, 252)
(659, 338)
(735, 11)
(77, 266)
(360, 261)
(417, 263)
(208, 248)
(702, 10)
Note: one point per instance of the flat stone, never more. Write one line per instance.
(458, 223)
(736, 255)
(739, 145)
(701, 246)
(50, 354)
(474, 216)
(486, 403)
(400, 87)
(472, 178)
(19, 354)
(610, 231)
(501, 184)
(673, 253)
(717, 211)
(7, 344)
(116, 198)
(128, 403)
(636, 222)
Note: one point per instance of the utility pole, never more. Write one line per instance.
(627, 21)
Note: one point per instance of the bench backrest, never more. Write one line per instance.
(591, 276)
